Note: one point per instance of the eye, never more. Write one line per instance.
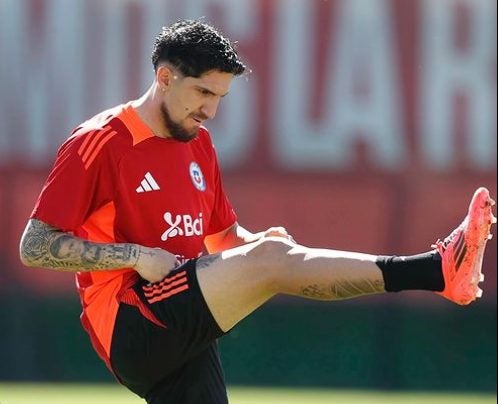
(205, 92)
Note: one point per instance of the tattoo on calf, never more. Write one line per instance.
(315, 292)
(342, 289)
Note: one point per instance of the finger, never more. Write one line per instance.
(276, 231)
(281, 230)
(276, 234)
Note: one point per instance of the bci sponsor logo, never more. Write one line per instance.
(182, 225)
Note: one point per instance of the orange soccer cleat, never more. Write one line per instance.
(462, 251)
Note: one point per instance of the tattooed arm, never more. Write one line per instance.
(48, 247)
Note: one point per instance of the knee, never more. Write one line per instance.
(269, 259)
(272, 251)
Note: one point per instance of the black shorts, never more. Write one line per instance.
(178, 363)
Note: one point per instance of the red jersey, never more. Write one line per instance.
(115, 181)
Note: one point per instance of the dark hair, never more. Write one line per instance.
(194, 48)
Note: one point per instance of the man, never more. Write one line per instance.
(139, 186)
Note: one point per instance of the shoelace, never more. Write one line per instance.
(444, 243)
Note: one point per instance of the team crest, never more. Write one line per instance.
(197, 177)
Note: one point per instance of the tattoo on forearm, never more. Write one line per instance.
(45, 246)
(342, 289)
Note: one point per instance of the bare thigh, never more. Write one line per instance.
(236, 282)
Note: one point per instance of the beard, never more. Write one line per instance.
(176, 130)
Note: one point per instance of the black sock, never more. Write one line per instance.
(415, 272)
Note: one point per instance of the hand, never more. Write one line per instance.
(153, 264)
(278, 231)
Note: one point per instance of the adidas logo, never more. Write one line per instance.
(148, 184)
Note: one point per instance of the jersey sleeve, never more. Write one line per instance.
(223, 215)
(78, 184)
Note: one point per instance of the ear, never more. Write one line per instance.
(164, 77)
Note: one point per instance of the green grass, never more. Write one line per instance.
(20, 393)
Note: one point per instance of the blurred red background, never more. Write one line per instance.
(363, 126)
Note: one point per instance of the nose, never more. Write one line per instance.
(210, 107)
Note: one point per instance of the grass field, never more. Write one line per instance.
(113, 394)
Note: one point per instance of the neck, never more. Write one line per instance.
(148, 109)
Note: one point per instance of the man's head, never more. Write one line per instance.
(194, 66)
(194, 48)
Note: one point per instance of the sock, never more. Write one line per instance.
(415, 272)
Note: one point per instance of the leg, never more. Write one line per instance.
(164, 345)
(200, 380)
(238, 281)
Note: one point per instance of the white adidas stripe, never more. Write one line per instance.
(152, 181)
(148, 184)
(145, 185)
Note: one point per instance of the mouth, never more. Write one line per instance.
(198, 121)
(198, 118)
